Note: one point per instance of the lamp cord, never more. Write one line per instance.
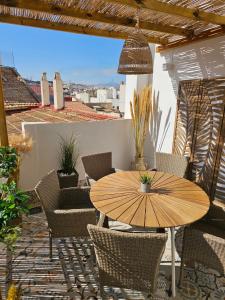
(137, 19)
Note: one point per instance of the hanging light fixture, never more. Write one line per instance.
(136, 57)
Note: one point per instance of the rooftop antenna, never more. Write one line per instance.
(0, 59)
(13, 59)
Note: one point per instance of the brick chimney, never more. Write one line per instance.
(45, 101)
(58, 92)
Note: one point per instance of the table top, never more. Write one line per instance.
(172, 201)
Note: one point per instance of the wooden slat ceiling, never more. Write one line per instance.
(167, 23)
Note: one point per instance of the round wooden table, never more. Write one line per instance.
(172, 201)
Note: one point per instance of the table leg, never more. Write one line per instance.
(173, 262)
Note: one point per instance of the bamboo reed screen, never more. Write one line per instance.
(200, 132)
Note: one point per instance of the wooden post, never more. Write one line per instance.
(3, 127)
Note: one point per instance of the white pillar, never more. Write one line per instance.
(58, 92)
(44, 90)
(134, 82)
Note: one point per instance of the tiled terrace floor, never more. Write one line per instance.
(73, 274)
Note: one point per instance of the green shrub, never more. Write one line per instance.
(9, 235)
(13, 203)
(8, 161)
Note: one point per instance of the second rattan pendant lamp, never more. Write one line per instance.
(136, 57)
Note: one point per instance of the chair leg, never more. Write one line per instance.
(182, 261)
(50, 246)
(106, 222)
(93, 254)
(102, 292)
(103, 221)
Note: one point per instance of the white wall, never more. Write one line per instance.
(134, 82)
(204, 59)
(93, 137)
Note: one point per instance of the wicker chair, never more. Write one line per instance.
(68, 211)
(97, 166)
(203, 242)
(171, 163)
(127, 260)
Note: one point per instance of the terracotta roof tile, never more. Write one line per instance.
(73, 112)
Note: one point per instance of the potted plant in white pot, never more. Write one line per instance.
(67, 174)
(146, 181)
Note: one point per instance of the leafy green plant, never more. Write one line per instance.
(68, 155)
(8, 161)
(9, 236)
(13, 203)
(146, 179)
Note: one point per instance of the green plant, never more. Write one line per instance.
(8, 161)
(9, 236)
(68, 155)
(145, 179)
(13, 203)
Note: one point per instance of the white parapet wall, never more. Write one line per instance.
(93, 137)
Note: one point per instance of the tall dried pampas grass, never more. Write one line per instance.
(141, 110)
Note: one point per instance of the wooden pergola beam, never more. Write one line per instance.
(208, 34)
(71, 28)
(47, 7)
(3, 127)
(191, 13)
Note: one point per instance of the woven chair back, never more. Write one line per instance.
(98, 165)
(48, 191)
(128, 260)
(171, 163)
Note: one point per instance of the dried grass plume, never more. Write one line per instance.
(141, 110)
(22, 143)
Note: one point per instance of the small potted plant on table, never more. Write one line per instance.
(68, 176)
(146, 181)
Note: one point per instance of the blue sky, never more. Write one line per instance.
(79, 58)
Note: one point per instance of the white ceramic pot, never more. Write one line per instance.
(145, 188)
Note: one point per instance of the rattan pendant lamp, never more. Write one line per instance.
(136, 57)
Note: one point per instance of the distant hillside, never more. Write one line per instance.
(79, 85)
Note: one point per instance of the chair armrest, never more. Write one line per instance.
(75, 198)
(73, 212)
(90, 181)
(112, 170)
(71, 222)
